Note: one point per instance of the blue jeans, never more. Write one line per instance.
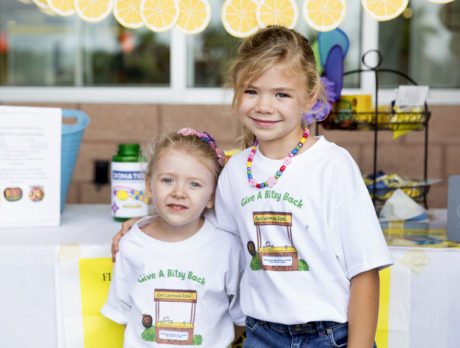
(317, 334)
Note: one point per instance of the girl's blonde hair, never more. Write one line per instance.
(192, 144)
(265, 49)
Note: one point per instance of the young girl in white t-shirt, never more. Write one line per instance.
(176, 279)
(300, 206)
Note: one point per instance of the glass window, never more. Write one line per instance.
(38, 48)
(424, 43)
(113, 55)
(210, 52)
(209, 55)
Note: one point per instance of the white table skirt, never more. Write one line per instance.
(27, 273)
(29, 310)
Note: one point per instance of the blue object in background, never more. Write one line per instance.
(333, 69)
(329, 39)
(71, 140)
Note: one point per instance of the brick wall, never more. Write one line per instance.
(112, 124)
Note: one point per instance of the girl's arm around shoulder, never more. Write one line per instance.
(363, 308)
(125, 227)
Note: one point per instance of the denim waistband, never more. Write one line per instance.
(313, 327)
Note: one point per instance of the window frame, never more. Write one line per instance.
(179, 93)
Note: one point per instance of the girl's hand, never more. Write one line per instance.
(125, 227)
(239, 330)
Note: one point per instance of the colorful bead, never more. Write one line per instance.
(272, 181)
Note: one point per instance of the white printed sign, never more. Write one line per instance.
(30, 166)
(277, 260)
(173, 335)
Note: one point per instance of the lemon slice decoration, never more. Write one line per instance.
(63, 8)
(324, 15)
(159, 15)
(41, 3)
(128, 13)
(239, 17)
(194, 16)
(93, 10)
(277, 12)
(384, 10)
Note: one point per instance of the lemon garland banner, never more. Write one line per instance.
(128, 13)
(240, 18)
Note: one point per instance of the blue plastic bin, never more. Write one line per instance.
(71, 140)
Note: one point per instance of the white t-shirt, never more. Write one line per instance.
(187, 290)
(306, 237)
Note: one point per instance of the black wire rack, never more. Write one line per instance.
(378, 120)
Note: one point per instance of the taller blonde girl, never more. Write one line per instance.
(300, 206)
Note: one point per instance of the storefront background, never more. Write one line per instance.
(135, 84)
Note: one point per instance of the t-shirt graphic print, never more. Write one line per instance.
(174, 323)
(275, 248)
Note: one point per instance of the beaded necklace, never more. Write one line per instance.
(271, 181)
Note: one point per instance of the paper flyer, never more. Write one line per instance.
(411, 95)
(30, 166)
(83, 275)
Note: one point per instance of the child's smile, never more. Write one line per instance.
(263, 123)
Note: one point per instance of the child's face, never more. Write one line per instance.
(271, 107)
(181, 186)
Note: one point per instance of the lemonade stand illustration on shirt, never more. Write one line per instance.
(275, 248)
(275, 257)
(167, 330)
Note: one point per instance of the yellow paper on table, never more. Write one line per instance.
(381, 336)
(98, 331)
